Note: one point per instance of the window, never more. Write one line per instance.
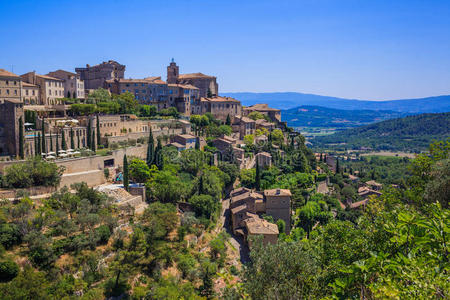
(33, 92)
(7, 82)
(15, 92)
(123, 91)
(135, 84)
(26, 92)
(15, 82)
(7, 92)
(49, 92)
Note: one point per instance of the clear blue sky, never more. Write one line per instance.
(347, 48)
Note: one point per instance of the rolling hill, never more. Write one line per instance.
(411, 133)
(289, 100)
(318, 116)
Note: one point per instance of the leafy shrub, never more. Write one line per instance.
(8, 270)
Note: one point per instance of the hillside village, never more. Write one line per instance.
(154, 189)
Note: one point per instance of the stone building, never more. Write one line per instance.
(273, 113)
(219, 107)
(264, 159)
(30, 94)
(51, 89)
(94, 77)
(206, 84)
(150, 90)
(244, 126)
(73, 85)
(278, 205)
(10, 86)
(11, 110)
(246, 204)
(182, 96)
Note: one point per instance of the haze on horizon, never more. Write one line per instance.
(372, 50)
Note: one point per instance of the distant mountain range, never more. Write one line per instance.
(318, 116)
(289, 100)
(411, 133)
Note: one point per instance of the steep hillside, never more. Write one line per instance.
(412, 133)
(318, 116)
(290, 100)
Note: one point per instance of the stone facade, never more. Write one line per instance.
(273, 113)
(73, 85)
(264, 159)
(51, 89)
(11, 110)
(94, 77)
(244, 126)
(206, 84)
(10, 86)
(150, 90)
(219, 107)
(278, 205)
(30, 94)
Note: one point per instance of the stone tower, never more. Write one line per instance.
(173, 71)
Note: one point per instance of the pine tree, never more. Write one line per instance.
(257, 177)
(98, 132)
(44, 146)
(72, 140)
(150, 149)
(88, 134)
(63, 141)
(21, 150)
(125, 172)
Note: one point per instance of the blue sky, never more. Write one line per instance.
(346, 48)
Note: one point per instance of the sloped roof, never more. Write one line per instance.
(3, 72)
(194, 75)
(277, 192)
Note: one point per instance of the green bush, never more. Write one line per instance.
(8, 270)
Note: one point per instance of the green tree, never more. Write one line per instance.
(63, 140)
(159, 161)
(93, 143)
(257, 177)
(150, 149)
(51, 142)
(57, 143)
(125, 172)
(98, 132)
(8, 270)
(21, 139)
(228, 121)
(43, 144)
(139, 171)
(88, 134)
(39, 145)
(72, 141)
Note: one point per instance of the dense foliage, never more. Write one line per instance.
(33, 172)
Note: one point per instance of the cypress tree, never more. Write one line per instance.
(39, 144)
(93, 141)
(72, 141)
(57, 144)
(63, 141)
(44, 147)
(21, 150)
(228, 121)
(338, 169)
(150, 149)
(158, 155)
(125, 172)
(197, 143)
(98, 131)
(321, 157)
(51, 142)
(78, 140)
(257, 177)
(88, 134)
(200, 185)
(36, 151)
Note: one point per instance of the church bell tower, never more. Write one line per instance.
(172, 72)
